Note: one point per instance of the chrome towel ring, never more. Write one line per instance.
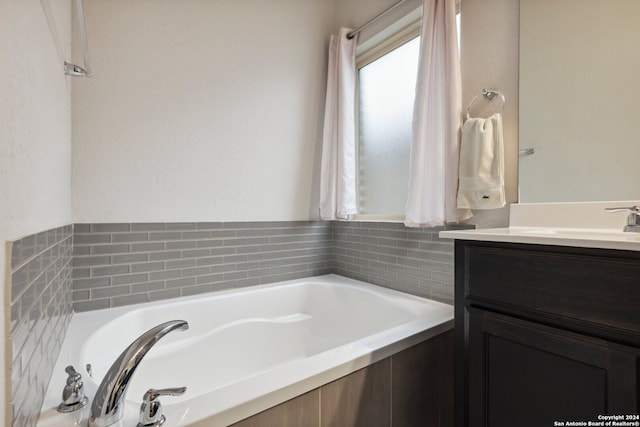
(489, 95)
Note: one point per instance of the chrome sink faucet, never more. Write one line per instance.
(108, 404)
(633, 220)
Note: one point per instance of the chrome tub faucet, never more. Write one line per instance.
(108, 404)
(633, 220)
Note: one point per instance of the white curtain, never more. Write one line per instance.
(437, 117)
(338, 169)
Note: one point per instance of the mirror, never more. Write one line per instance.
(579, 100)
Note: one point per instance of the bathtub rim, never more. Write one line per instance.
(349, 358)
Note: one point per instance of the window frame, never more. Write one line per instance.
(364, 58)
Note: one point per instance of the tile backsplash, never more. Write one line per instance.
(413, 260)
(93, 266)
(121, 264)
(41, 309)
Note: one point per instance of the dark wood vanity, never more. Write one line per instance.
(545, 334)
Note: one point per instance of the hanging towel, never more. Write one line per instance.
(481, 170)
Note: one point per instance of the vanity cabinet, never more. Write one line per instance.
(545, 334)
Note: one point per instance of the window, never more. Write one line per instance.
(386, 89)
(387, 71)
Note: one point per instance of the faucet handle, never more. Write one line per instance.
(151, 409)
(633, 220)
(73, 397)
(632, 209)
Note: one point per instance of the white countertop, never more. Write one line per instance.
(583, 238)
(584, 224)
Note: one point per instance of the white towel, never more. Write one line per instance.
(481, 171)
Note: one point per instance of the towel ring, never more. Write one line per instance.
(488, 95)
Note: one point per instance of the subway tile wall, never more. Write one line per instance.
(413, 260)
(41, 308)
(120, 264)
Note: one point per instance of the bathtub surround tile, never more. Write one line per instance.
(149, 261)
(191, 258)
(413, 260)
(41, 308)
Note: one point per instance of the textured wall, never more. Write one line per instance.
(200, 111)
(40, 313)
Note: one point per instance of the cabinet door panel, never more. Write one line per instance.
(525, 374)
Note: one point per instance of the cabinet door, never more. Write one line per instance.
(525, 374)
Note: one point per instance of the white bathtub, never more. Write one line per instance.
(246, 350)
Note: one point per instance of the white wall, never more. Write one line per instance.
(35, 133)
(200, 110)
(489, 59)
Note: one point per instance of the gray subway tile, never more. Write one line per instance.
(174, 226)
(179, 283)
(110, 228)
(183, 244)
(93, 238)
(195, 290)
(130, 258)
(81, 228)
(130, 278)
(147, 287)
(148, 226)
(167, 235)
(161, 256)
(164, 275)
(180, 263)
(112, 291)
(89, 261)
(109, 271)
(79, 284)
(129, 300)
(130, 237)
(147, 267)
(209, 278)
(166, 294)
(147, 247)
(196, 271)
(192, 235)
(209, 225)
(109, 249)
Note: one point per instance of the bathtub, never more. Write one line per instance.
(245, 350)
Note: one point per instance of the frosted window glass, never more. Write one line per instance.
(386, 94)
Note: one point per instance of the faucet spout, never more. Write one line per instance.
(108, 404)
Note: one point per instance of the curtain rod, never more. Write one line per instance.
(353, 33)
